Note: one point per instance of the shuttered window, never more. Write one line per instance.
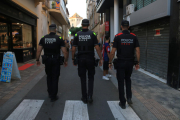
(141, 3)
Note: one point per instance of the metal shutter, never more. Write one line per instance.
(140, 32)
(158, 48)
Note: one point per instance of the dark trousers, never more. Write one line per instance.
(52, 68)
(124, 72)
(85, 65)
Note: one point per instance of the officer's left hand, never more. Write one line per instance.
(38, 63)
(65, 64)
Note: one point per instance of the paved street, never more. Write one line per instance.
(32, 101)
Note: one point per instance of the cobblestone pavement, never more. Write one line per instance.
(8, 90)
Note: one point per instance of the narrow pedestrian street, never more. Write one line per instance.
(35, 103)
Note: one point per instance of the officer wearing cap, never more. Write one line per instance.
(126, 44)
(86, 40)
(52, 44)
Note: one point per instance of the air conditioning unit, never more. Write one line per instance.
(129, 9)
(59, 29)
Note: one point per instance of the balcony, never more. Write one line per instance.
(57, 12)
(45, 5)
(37, 2)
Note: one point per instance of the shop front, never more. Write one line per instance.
(17, 31)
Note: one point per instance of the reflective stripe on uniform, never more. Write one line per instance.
(94, 33)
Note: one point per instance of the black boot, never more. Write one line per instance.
(90, 99)
(53, 99)
(84, 100)
(129, 101)
(123, 106)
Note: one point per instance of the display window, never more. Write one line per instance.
(21, 35)
(3, 36)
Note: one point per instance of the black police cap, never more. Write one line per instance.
(125, 23)
(53, 25)
(85, 22)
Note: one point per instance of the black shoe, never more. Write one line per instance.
(122, 105)
(90, 99)
(54, 99)
(129, 101)
(84, 100)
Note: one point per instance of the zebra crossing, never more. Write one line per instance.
(73, 110)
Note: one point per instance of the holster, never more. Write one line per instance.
(96, 61)
(75, 59)
(115, 63)
(44, 59)
(61, 60)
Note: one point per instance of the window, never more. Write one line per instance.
(22, 35)
(141, 3)
(3, 36)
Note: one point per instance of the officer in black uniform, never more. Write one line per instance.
(52, 44)
(86, 40)
(125, 43)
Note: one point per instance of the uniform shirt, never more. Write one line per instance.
(106, 49)
(52, 44)
(85, 32)
(125, 43)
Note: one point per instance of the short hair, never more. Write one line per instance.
(107, 37)
(125, 27)
(52, 28)
(85, 25)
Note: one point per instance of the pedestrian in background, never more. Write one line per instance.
(106, 54)
(86, 40)
(52, 44)
(126, 44)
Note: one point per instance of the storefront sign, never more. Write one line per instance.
(9, 68)
(107, 26)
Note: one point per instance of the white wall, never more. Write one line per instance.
(112, 24)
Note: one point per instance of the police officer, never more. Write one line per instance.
(52, 44)
(125, 43)
(86, 40)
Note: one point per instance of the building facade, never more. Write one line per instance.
(156, 24)
(75, 20)
(24, 22)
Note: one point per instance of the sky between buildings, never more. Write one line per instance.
(77, 6)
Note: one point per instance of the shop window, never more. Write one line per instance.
(22, 35)
(3, 36)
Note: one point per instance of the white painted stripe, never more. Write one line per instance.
(122, 114)
(153, 76)
(75, 110)
(27, 110)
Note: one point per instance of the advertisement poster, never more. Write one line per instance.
(7, 67)
(107, 26)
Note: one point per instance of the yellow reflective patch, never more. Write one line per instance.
(43, 36)
(60, 37)
(76, 35)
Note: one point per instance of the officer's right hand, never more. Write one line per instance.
(65, 64)
(100, 62)
(73, 63)
(137, 67)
